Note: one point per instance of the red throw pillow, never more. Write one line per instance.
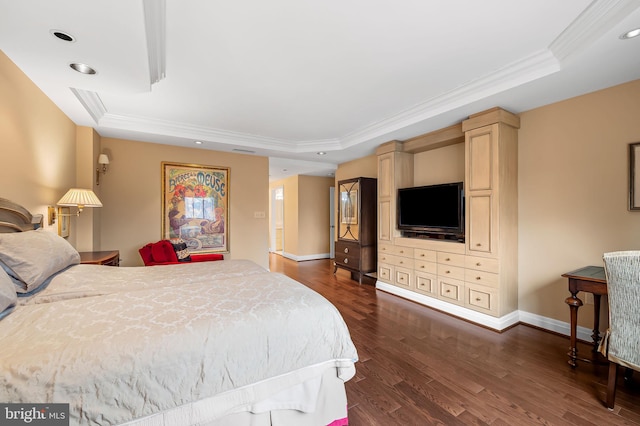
(145, 254)
(163, 252)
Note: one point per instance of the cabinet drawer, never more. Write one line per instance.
(427, 255)
(403, 251)
(403, 277)
(347, 248)
(384, 248)
(447, 271)
(385, 272)
(451, 291)
(482, 264)
(482, 299)
(347, 261)
(426, 283)
(450, 259)
(423, 266)
(481, 277)
(396, 260)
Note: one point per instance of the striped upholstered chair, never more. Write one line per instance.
(621, 344)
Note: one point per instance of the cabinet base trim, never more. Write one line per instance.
(545, 323)
(488, 321)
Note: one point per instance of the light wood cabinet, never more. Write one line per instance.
(479, 275)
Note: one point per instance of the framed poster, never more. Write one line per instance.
(195, 206)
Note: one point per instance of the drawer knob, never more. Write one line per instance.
(447, 272)
(478, 245)
(421, 266)
(447, 259)
(401, 262)
(478, 299)
(447, 291)
(346, 249)
(346, 261)
(478, 264)
(422, 255)
(478, 278)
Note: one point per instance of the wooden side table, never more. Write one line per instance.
(108, 258)
(590, 279)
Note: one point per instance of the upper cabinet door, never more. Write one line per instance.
(480, 159)
(349, 205)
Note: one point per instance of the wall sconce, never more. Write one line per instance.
(75, 197)
(103, 160)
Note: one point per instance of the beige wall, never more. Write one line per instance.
(37, 145)
(573, 189)
(362, 167)
(131, 194)
(88, 223)
(442, 165)
(306, 216)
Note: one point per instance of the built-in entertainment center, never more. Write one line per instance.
(453, 244)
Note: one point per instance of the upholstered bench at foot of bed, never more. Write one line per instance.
(163, 253)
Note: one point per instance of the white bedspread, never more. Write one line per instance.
(125, 355)
(93, 280)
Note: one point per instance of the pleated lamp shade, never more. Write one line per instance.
(80, 198)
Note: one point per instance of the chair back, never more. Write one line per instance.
(622, 270)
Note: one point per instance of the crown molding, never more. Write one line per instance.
(591, 24)
(186, 131)
(91, 103)
(155, 12)
(535, 66)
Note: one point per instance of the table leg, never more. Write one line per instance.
(596, 322)
(574, 303)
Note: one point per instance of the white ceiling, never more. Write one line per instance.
(288, 78)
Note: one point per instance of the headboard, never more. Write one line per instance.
(15, 218)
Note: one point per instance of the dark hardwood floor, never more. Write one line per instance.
(418, 366)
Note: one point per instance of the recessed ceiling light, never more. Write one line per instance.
(630, 34)
(82, 68)
(321, 153)
(198, 142)
(62, 35)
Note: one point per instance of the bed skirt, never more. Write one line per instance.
(321, 400)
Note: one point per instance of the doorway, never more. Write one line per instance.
(277, 220)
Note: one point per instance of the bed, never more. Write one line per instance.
(213, 343)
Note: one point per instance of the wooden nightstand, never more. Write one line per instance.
(108, 258)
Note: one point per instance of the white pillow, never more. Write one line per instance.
(31, 258)
(8, 296)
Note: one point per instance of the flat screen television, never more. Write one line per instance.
(432, 211)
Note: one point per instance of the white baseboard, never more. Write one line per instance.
(498, 324)
(305, 257)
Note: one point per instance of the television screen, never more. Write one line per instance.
(437, 209)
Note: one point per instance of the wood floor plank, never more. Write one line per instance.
(419, 366)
